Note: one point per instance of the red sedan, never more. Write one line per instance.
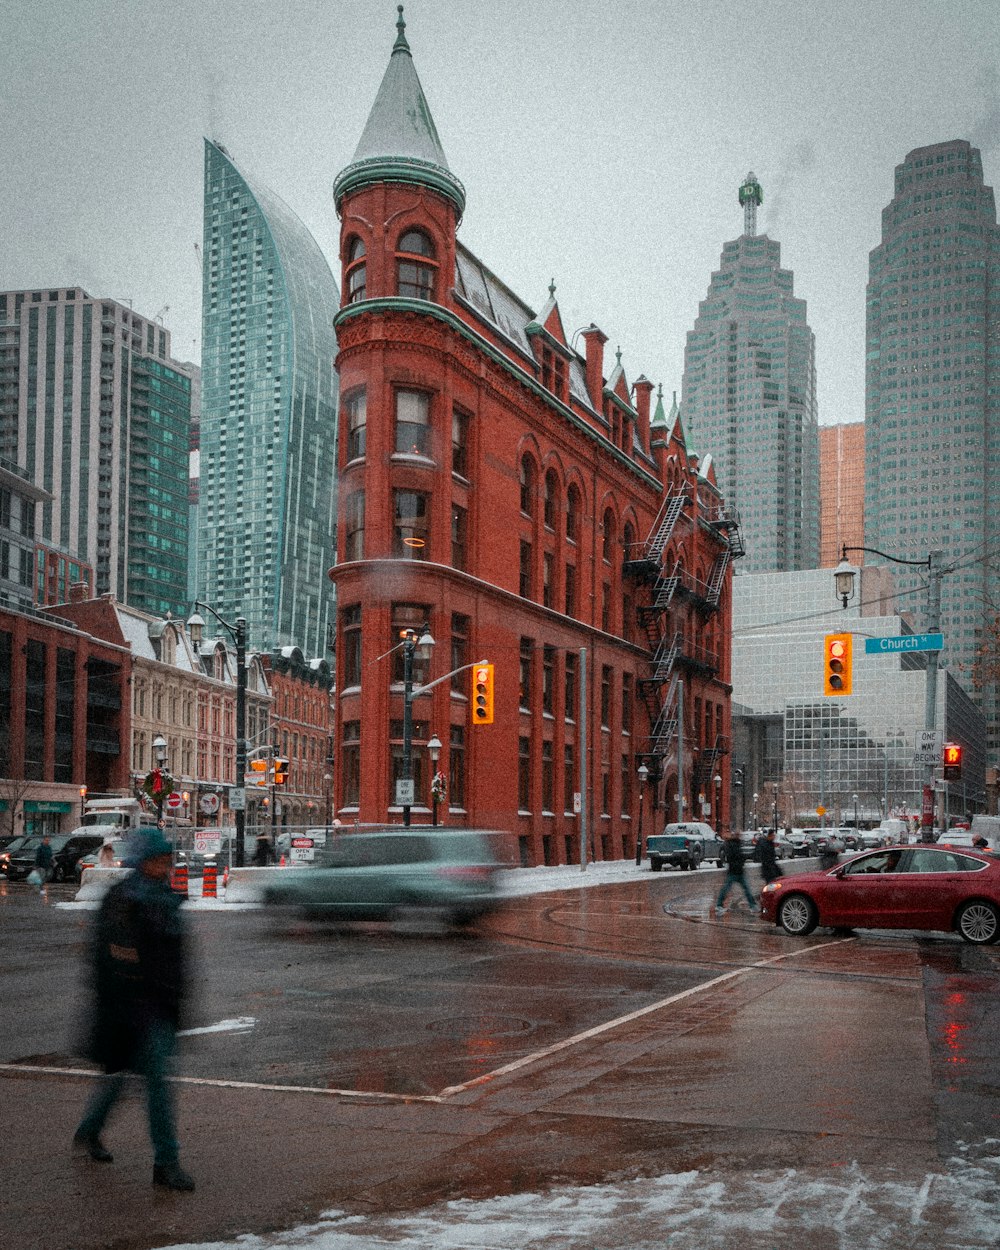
(898, 887)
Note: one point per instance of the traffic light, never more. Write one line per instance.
(951, 759)
(482, 694)
(280, 771)
(837, 664)
(260, 768)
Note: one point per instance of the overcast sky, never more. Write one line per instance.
(600, 144)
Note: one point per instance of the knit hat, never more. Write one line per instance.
(146, 843)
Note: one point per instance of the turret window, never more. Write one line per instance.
(357, 408)
(415, 277)
(412, 510)
(357, 271)
(412, 417)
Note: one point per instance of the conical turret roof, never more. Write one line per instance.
(400, 141)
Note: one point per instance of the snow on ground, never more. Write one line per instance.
(853, 1209)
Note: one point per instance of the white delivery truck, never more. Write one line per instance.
(119, 814)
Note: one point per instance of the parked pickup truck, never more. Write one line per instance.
(682, 846)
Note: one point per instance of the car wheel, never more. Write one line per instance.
(797, 915)
(655, 865)
(978, 922)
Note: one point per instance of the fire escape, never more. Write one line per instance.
(671, 653)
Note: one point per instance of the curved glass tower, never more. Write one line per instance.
(267, 487)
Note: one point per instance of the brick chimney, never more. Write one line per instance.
(78, 592)
(643, 389)
(595, 340)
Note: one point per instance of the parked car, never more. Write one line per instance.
(821, 840)
(451, 875)
(683, 844)
(870, 838)
(798, 841)
(12, 847)
(66, 850)
(899, 887)
(89, 860)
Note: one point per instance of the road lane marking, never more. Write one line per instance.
(618, 1021)
(241, 1024)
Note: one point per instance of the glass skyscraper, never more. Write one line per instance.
(267, 488)
(932, 408)
(749, 398)
(96, 412)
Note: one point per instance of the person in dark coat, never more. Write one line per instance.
(43, 862)
(139, 982)
(262, 851)
(766, 853)
(735, 864)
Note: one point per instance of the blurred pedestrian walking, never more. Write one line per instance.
(262, 855)
(766, 852)
(106, 855)
(43, 865)
(732, 850)
(139, 982)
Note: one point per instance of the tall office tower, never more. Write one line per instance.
(932, 407)
(841, 491)
(267, 486)
(749, 398)
(95, 410)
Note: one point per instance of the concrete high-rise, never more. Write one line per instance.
(932, 404)
(267, 484)
(841, 491)
(96, 412)
(749, 398)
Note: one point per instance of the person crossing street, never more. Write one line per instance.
(732, 850)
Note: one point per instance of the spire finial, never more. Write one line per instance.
(552, 289)
(400, 45)
(618, 356)
(659, 391)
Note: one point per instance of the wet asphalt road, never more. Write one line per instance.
(754, 1050)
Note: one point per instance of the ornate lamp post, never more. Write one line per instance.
(740, 779)
(855, 797)
(83, 801)
(238, 633)
(718, 802)
(411, 643)
(643, 773)
(160, 762)
(434, 751)
(755, 798)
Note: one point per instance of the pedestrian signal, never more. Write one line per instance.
(280, 772)
(482, 694)
(951, 759)
(837, 664)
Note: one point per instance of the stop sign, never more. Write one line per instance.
(174, 800)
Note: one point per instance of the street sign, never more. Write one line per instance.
(301, 854)
(820, 811)
(302, 843)
(207, 844)
(928, 747)
(903, 642)
(174, 801)
(237, 799)
(209, 804)
(405, 792)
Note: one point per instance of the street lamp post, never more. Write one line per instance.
(855, 797)
(160, 761)
(238, 633)
(434, 750)
(83, 802)
(328, 780)
(843, 577)
(755, 798)
(718, 802)
(411, 643)
(643, 772)
(740, 780)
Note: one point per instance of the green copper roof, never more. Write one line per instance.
(400, 141)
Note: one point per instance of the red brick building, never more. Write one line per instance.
(841, 492)
(300, 733)
(498, 489)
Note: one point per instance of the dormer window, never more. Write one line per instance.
(357, 271)
(415, 266)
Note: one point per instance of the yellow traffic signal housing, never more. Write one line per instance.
(482, 694)
(837, 664)
(260, 767)
(280, 771)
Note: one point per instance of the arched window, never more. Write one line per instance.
(630, 549)
(357, 270)
(608, 535)
(415, 278)
(551, 498)
(527, 485)
(573, 514)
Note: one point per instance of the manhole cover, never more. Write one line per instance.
(492, 1026)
